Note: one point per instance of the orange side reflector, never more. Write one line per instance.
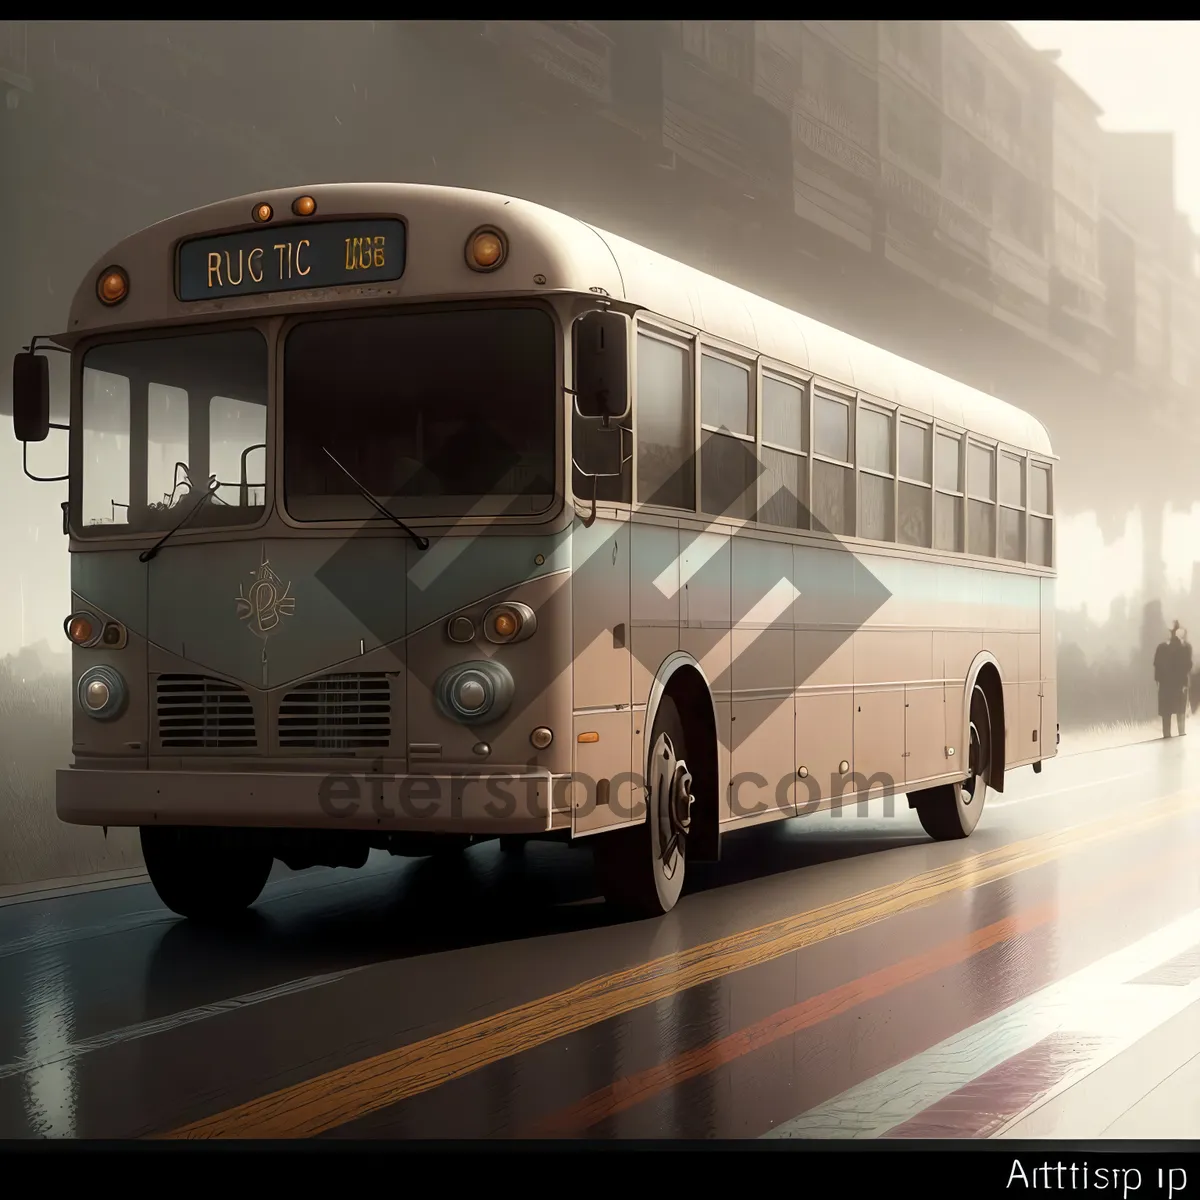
(589, 737)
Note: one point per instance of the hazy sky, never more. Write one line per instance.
(1145, 76)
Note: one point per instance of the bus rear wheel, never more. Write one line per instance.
(952, 810)
(205, 874)
(640, 870)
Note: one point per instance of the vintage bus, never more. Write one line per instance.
(403, 517)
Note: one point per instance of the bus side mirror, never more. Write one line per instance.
(602, 386)
(31, 397)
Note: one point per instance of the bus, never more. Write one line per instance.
(405, 517)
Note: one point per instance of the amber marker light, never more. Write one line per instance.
(509, 623)
(304, 207)
(263, 212)
(80, 629)
(113, 286)
(588, 737)
(485, 250)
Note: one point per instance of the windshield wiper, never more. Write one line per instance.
(205, 496)
(422, 542)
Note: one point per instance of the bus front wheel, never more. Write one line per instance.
(641, 870)
(205, 874)
(952, 810)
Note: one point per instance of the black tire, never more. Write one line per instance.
(641, 869)
(444, 847)
(450, 849)
(205, 874)
(512, 843)
(951, 811)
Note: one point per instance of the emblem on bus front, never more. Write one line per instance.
(267, 601)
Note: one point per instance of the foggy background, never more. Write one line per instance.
(946, 189)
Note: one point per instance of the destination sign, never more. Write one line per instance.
(288, 257)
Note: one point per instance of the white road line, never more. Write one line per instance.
(177, 1020)
(1098, 1002)
(1075, 787)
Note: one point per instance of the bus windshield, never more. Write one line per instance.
(165, 421)
(436, 414)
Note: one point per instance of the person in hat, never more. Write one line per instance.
(1172, 673)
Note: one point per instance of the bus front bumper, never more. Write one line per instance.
(498, 802)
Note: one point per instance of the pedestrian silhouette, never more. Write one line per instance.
(1172, 673)
(1193, 683)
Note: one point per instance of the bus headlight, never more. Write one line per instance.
(102, 692)
(475, 691)
(509, 623)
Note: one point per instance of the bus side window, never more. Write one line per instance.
(666, 455)
(1011, 529)
(1041, 522)
(833, 466)
(948, 499)
(981, 502)
(915, 492)
(728, 458)
(876, 474)
(784, 455)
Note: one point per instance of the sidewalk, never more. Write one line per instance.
(1149, 1091)
(49, 889)
(1107, 737)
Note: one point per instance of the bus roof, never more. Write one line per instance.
(548, 252)
(671, 289)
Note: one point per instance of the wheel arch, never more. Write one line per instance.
(985, 673)
(681, 676)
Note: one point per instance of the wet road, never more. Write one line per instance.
(832, 976)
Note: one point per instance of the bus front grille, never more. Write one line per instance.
(197, 712)
(338, 712)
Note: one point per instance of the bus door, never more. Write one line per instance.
(604, 725)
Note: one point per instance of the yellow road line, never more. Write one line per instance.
(347, 1093)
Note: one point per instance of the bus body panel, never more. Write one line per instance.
(513, 800)
(606, 729)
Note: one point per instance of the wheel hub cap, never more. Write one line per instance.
(681, 799)
(976, 762)
(672, 797)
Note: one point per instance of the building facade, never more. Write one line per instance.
(1077, 291)
(996, 127)
(821, 76)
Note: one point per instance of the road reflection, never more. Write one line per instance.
(404, 908)
(50, 1083)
